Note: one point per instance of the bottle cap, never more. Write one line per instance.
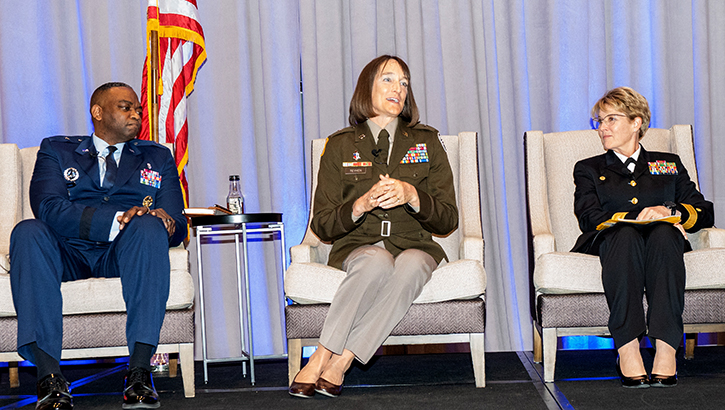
(234, 177)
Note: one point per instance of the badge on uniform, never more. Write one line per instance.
(356, 156)
(151, 178)
(148, 201)
(356, 168)
(70, 174)
(662, 168)
(416, 154)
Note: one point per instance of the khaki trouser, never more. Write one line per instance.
(374, 296)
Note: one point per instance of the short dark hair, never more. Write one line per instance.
(96, 96)
(361, 105)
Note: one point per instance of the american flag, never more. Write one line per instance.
(181, 53)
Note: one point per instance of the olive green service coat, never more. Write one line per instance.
(348, 169)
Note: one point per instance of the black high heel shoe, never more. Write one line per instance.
(659, 380)
(637, 382)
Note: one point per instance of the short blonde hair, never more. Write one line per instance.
(627, 101)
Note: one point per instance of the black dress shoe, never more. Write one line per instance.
(328, 389)
(636, 382)
(658, 380)
(53, 393)
(139, 391)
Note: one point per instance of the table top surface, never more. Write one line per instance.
(235, 219)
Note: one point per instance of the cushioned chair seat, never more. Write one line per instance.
(590, 309)
(309, 283)
(585, 273)
(102, 295)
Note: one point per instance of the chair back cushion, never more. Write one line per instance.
(550, 160)
(312, 281)
(28, 157)
(559, 152)
(10, 200)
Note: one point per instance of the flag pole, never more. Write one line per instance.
(153, 87)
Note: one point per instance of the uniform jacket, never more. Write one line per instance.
(605, 190)
(65, 190)
(341, 182)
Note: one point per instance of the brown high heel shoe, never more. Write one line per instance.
(328, 389)
(303, 390)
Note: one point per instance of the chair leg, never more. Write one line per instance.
(690, 343)
(186, 356)
(537, 345)
(294, 358)
(549, 350)
(173, 366)
(478, 357)
(14, 377)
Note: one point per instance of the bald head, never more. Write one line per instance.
(101, 91)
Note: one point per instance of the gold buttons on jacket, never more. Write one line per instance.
(633, 183)
(602, 178)
(634, 201)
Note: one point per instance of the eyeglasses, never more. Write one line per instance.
(608, 120)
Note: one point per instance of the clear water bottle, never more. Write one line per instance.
(235, 201)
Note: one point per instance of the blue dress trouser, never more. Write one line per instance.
(41, 260)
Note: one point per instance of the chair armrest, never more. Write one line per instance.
(707, 238)
(306, 252)
(543, 243)
(472, 248)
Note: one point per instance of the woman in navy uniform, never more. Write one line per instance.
(628, 183)
(385, 185)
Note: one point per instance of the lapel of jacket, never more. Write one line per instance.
(401, 144)
(87, 159)
(364, 145)
(642, 163)
(613, 164)
(130, 160)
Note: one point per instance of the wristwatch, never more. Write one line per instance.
(671, 206)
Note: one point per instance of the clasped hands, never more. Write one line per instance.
(126, 217)
(660, 211)
(386, 193)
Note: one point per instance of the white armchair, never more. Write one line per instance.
(451, 307)
(94, 313)
(569, 293)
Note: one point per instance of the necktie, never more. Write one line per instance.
(111, 168)
(383, 147)
(627, 167)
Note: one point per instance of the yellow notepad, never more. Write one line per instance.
(673, 219)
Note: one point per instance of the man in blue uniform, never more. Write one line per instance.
(106, 205)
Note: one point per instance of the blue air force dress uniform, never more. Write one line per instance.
(70, 239)
(636, 258)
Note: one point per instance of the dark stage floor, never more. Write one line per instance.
(584, 380)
